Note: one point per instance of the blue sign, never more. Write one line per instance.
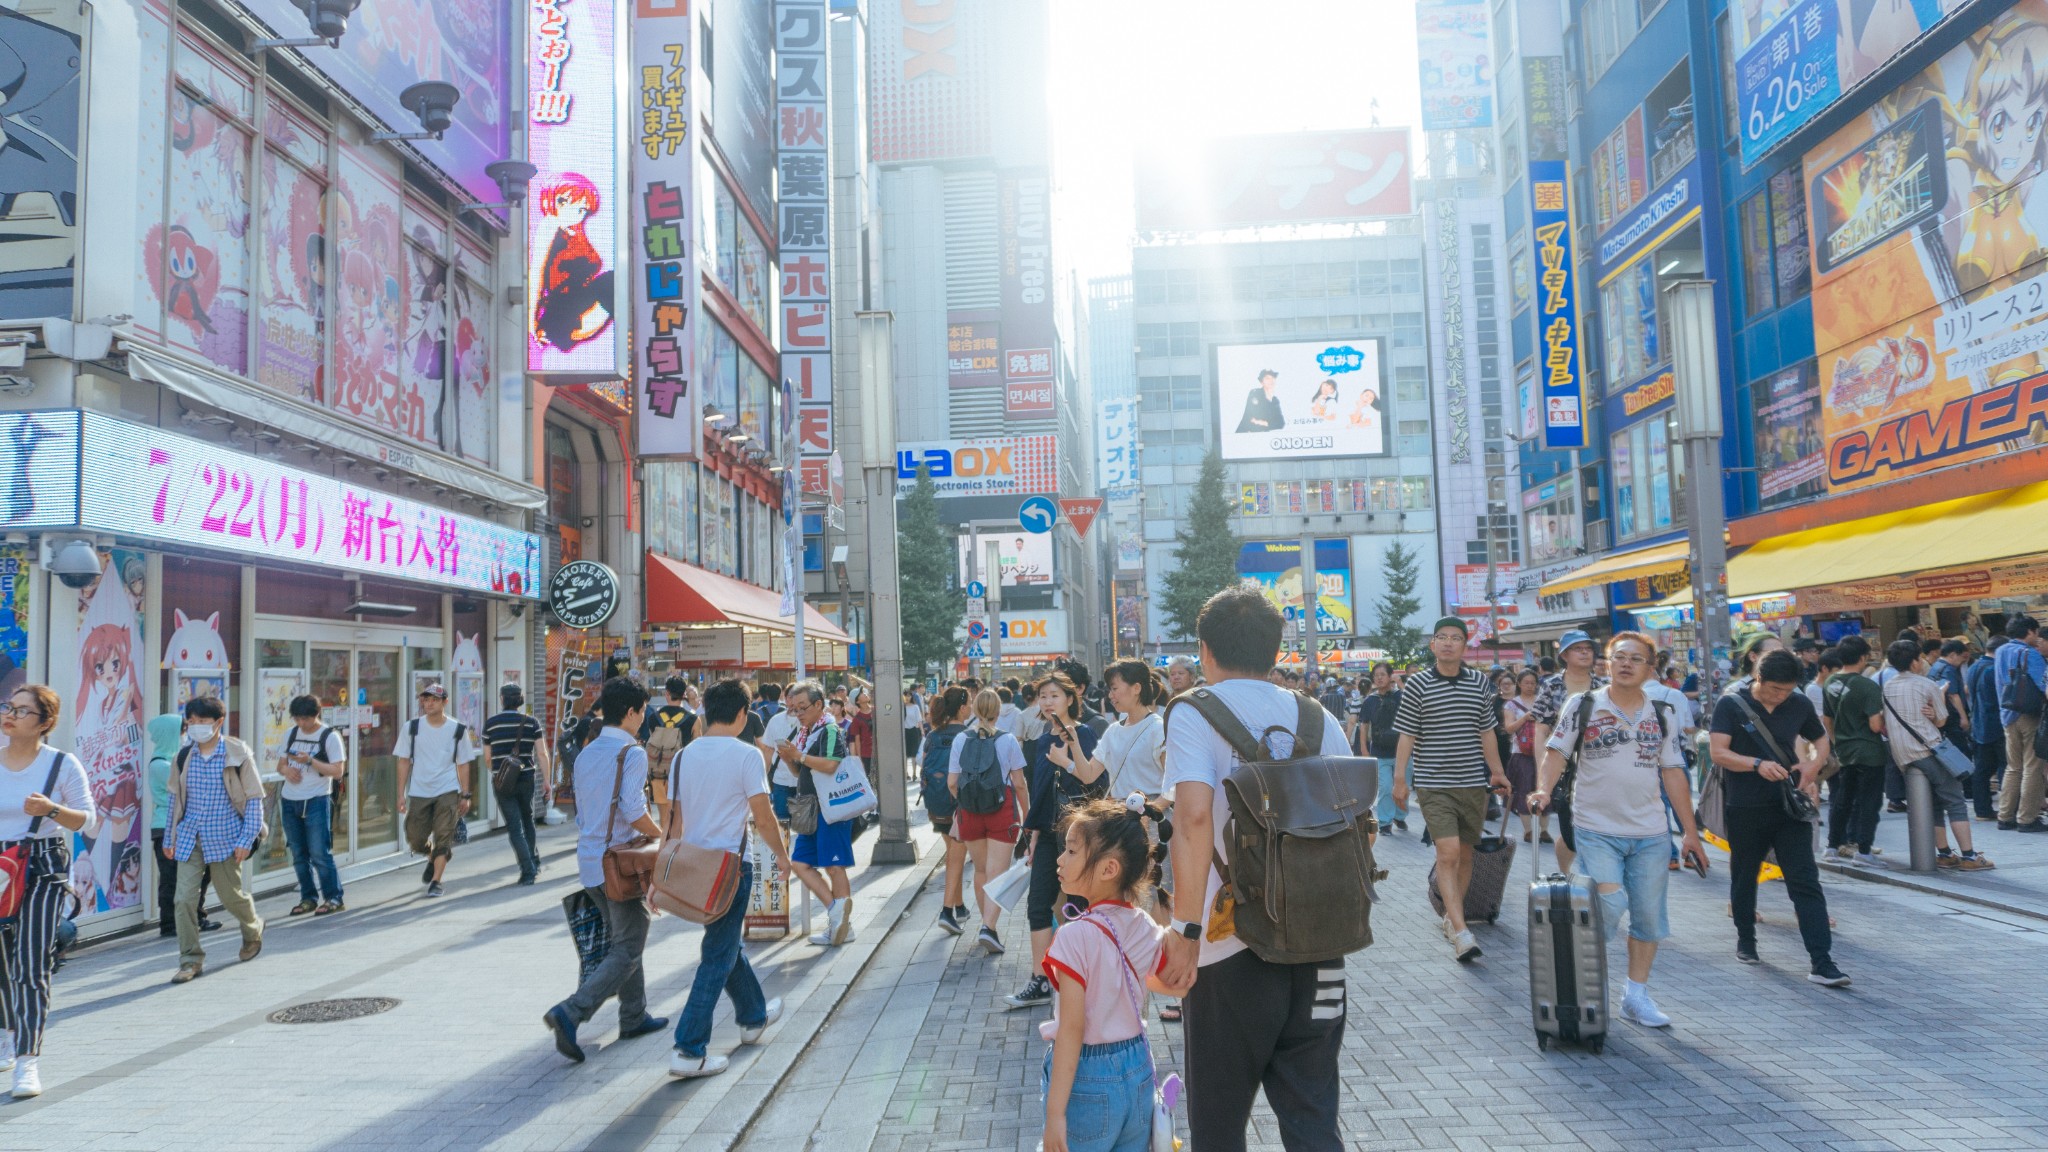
(1337, 361)
(976, 590)
(1652, 218)
(1038, 514)
(1787, 76)
(1558, 371)
(976, 630)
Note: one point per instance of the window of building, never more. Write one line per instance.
(1607, 26)
(1186, 340)
(1631, 306)
(1649, 478)
(1287, 497)
(1149, 286)
(742, 259)
(1668, 114)
(1776, 263)
(1255, 499)
(1731, 109)
(1154, 340)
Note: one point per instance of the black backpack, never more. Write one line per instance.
(1299, 885)
(2020, 693)
(981, 772)
(935, 762)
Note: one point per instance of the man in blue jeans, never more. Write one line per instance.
(1628, 760)
(717, 784)
(313, 760)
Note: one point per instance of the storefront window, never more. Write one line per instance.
(742, 260)
(1776, 264)
(1649, 478)
(1255, 499)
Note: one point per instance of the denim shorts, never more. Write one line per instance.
(1950, 803)
(1642, 866)
(1110, 1107)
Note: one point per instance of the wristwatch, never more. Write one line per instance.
(465, 795)
(1757, 765)
(1185, 928)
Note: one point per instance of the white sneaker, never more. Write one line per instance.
(27, 1081)
(837, 920)
(753, 1035)
(1465, 947)
(691, 1067)
(1643, 1010)
(822, 939)
(1870, 860)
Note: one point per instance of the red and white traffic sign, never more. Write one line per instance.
(1081, 512)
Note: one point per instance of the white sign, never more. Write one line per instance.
(1533, 609)
(1026, 558)
(137, 481)
(1116, 448)
(977, 606)
(1301, 401)
(1040, 633)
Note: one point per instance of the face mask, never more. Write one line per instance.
(200, 733)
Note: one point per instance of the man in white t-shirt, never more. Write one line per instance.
(1628, 763)
(435, 755)
(313, 758)
(716, 786)
(1249, 1022)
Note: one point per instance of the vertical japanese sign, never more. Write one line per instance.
(804, 232)
(1451, 314)
(574, 236)
(1023, 219)
(1116, 460)
(664, 339)
(1558, 373)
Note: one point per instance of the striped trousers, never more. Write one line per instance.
(28, 946)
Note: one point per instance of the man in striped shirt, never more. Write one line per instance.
(1446, 720)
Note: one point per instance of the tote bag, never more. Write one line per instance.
(848, 795)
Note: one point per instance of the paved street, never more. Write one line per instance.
(917, 1052)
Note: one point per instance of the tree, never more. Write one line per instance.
(933, 609)
(1401, 640)
(1206, 555)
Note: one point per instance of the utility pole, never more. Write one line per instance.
(1696, 369)
(1312, 636)
(994, 564)
(885, 620)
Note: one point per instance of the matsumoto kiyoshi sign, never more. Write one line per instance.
(1559, 374)
(149, 484)
(1665, 207)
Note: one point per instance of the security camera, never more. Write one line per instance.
(433, 101)
(512, 176)
(75, 562)
(328, 18)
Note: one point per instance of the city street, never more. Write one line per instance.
(916, 1051)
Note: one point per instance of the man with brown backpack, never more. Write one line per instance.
(1265, 993)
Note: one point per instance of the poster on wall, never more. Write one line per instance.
(1930, 297)
(468, 701)
(1456, 62)
(1275, 566)
(39, 157)
(15, 601)
(665, 340)
(1301, 401)
(107, 730)
(573, 138)
(276, 688)
(1026, 558)
(1789, 467)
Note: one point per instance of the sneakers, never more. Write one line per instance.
(1638, 1008)
(27, 1081)
(691, 1067)
(427, 873)
(2036, 826)
(824, 939)
(1036, 991)
(960, 913)
(1870, 860)
(2008, 825)
(434, 888)
(1843, 852)
(560, 1023)
(1947, 861)
(839, 921)
(1977, 863)
(1465, 947)
(752, 1034)
(186, 974)
(6, 1050)
(949, 923)
(1444, 926)
(1895, 806)
(990, 942)
(1747, 954)
(1829, 976)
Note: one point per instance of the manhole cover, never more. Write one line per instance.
(328, 1011)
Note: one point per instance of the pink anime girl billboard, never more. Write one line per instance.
(107, 727)
(573, 139)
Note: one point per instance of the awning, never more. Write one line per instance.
(679, 593)
(1970, 530)
(1537, 633)
(1656, 560)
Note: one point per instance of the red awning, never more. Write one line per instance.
(679, 593)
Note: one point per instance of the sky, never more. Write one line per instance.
(1127, 73)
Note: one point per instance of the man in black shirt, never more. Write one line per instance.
(518, 748)
(1261, 407)
(1755, 737)
(1373, 735)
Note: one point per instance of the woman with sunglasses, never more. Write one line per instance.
(44, 798)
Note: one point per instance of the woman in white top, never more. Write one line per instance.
(1133, 750)
(44, 798)
(913, 727)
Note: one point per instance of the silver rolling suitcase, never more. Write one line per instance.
(1567, 960)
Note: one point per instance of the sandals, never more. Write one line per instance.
(330, 908)
(303, 907)
(1169, 1013)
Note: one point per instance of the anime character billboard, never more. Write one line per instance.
(573, 140)
(39, 62)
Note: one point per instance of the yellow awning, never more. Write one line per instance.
(1972, 530)
(1652, 561)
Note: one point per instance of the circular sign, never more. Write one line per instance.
(1038, 514)
(583, 593)
(976, 630)
(976, 590)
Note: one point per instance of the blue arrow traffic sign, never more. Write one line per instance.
(976, 590)
(1038, 514)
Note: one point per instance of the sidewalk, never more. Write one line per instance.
(2018, 885)
(462, 1061)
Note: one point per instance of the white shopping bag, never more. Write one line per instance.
(848, 795)
(1007, 889)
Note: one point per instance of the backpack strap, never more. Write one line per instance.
(1308, 733)
(1583, 717)
(1226, 723)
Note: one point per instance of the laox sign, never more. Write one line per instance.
(943, 462)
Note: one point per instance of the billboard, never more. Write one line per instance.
(1299, 177)
(1787, 426)
(39, 458)
(974, 348)
(1794, 59)
(1456, 63)
(1275, 566)
(1024, 233)
(804, 233)
(574, 236)
(39, 159)
(1026, 558)
(1560, 376)
(743, 100)
(1116, 448)
(983, 466)
(929, 68)
(1930, 303)
(1312, 400)
(665, 339)
(1040, 632)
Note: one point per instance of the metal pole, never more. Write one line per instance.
(1697, 374)
(995, 612)
(1920, 820)
(893, 844)
(973, 576)
(1311, 636)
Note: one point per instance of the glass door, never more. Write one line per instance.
(330, 670)
(374, 794)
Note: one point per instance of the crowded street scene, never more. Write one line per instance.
(1022, 575)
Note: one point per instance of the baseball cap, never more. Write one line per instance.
(1575, 636)
(434, 690)
(1451, 622)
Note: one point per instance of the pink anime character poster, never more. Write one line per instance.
(469, 350)
(107, 732)
(370, 299)
(295, 255)
(198, 259)
(573, 140)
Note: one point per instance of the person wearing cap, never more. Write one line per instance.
(1575, 674)
(434, 754)
(519, 747)
(1446, 722)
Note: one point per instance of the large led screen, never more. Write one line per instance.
(1313, 400)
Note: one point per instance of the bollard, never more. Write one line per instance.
(1920, 818)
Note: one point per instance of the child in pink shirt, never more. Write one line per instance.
(1098, 1077)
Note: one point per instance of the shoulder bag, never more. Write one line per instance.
(1797, 805)
(626, 866)
(17, 863)
(1167, 1093)
(1940, 748)
(690, 881)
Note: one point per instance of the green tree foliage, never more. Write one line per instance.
(1401, 640)
(1206, 555)
(933, 608)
